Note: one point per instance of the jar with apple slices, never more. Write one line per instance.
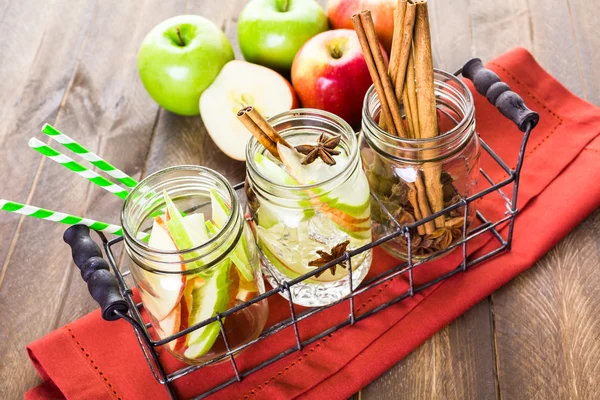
(200, 260)
(309, 200)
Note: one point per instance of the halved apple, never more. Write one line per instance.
(241, 84)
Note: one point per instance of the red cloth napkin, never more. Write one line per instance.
(91, 358)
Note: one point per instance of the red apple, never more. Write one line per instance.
(382, 11)
(330, 73)
(241, 84)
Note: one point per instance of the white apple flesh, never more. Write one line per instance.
(241, 84)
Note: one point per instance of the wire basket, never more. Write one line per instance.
(117, 302)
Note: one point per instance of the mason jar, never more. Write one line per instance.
(300, 226)
(414, 178)
(183, 287)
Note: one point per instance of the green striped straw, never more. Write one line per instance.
(79, 169)
(88, 155)
(56, 216)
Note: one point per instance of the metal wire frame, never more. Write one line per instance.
(148, 344)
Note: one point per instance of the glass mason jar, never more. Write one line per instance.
(180, 288)
(411, 176)
(295, 222)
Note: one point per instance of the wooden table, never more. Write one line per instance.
(73, 64)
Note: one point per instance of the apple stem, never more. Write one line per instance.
(181, 43)
(282, 5)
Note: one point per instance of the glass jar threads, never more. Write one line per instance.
(198, 260)
(309, 208)
(414, 178)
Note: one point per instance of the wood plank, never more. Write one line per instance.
(585, 19)
(547, 326)
(451, 34)
(553, 42)
(108, 110)
(455, 363)
(36, 72)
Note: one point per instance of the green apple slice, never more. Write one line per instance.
(270, 214)
(273, 172)
(220, 213)
(347, 205)
(207, 300)
(183, 235)
(212, 229)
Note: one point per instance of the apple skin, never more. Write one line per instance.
(174, 75)
(337, 85)
(339, 13)
(270, 37)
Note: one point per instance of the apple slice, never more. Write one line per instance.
(161, 293)
(206, 301)
(175, 322)
(348, 205)
(183, 235)
(241, 84)
(270, 214)
(220, 213)
(287, 260)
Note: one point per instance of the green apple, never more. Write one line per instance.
(179, 58)
(271, 32)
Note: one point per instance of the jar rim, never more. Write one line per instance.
(468, 115)
(299, 112)
(144, 247)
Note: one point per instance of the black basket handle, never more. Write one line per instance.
(102, 284)
(510, 104)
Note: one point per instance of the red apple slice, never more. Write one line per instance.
(238, 85)
(161, 293)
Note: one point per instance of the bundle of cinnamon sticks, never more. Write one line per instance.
(407, 82)
(262, 130)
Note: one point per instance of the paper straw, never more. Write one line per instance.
(79, 169)
(88, 155)
(56, 216)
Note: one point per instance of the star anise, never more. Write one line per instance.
(325, 148)
(336, 252)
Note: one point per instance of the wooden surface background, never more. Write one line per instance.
(73, 64)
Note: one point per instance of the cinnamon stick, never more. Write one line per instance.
(424, 204)
(265, 126)
(368, 55)
(373, 44)
(257, 132)
(413, 199)
(399, 65)
(396, 47)
(388, 88)
(409, 98)
(426, 106)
